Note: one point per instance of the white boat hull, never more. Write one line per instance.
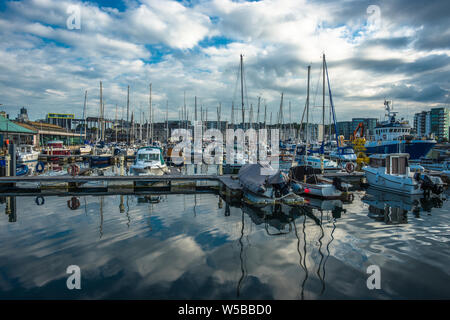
(29, 157)
(154, 171)
(393, 183)
(322, 190)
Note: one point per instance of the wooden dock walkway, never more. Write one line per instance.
(84, 179)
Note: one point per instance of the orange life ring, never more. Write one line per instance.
(350, 167)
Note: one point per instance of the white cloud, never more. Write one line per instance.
(158, 41)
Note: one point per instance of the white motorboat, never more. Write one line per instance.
(391, 172)
(149, 161)
(26, 153)
(86, 149)
(344, 154)
(315, 162)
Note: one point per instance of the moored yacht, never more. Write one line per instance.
(149, 161)
(85, 149)
(26, 153)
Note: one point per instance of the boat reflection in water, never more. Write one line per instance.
(393, 208)
(202, 245)
(281, 220)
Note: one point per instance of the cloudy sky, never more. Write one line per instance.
(395, 49)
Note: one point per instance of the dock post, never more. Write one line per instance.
(121, 205)
(7, 164)
(122, 161)
(12, 153)
(220, 169)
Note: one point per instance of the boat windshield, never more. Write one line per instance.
(147, 157)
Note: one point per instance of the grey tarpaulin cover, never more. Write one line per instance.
(251, 178)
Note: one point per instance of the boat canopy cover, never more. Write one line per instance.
(251, 178)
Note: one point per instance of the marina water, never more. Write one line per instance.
(200, 246)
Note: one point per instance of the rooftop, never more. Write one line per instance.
(7, 125)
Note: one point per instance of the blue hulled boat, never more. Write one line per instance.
(394, 136)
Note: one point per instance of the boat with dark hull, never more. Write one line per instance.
(262, 185)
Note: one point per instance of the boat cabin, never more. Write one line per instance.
(394, 163)
(25, 148)
(55, 144)
(149, 154)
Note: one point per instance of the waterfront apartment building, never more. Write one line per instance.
(369, 125)
(344, 128)
(440, 121)
(434, 122)
(60, 119)
(422, 124)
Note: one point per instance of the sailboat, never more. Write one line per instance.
(86, 148)
(149, 159)
(101, 154)
(308, 179)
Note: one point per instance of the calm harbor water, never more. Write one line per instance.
(198, 246)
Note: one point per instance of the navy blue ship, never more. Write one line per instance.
(394, 136)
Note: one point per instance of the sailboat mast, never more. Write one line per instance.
(242, 92)
(167, 121)
(103, 121)
(257, 116)
(323, 98)
(115, 122)
(100, 113)
(232, 115)
(151, 112)
(195, 107)
(84, 113)
(280, 117)
(265, 115)
(290, 120)
(307, 111)
(128, 111)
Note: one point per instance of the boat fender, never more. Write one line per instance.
(40, 166)
(73, 203)
(22, 170)
(73, 170)
(350, 167)
(39, 200)
(350, 197)
(297, 188)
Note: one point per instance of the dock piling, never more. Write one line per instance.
(12, 154)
